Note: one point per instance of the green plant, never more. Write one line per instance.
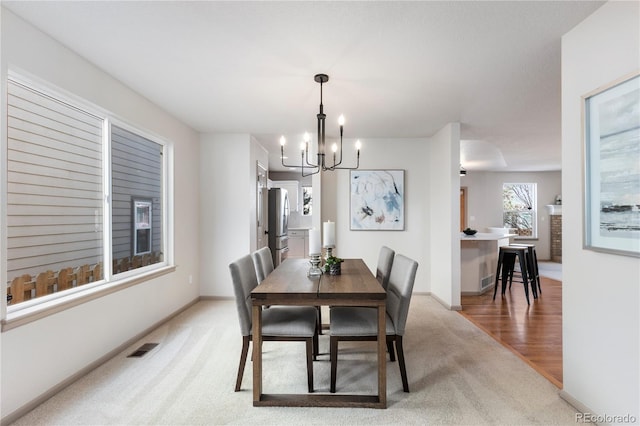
(332, 260)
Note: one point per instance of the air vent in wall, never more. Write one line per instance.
(142, 350)
(486, 282)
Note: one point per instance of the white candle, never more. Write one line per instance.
(314, 241)
(329, 234)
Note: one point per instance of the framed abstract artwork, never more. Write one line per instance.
(612, 168)
(377, 200)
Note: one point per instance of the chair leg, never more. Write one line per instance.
(333, 356)
(495, 286)
(316, 346)
(403, 368)
(319, 308)
(537, 272)
(392, 352)
(531, 273)
(310, 364)
(525, 279)
(243, 361)
(505, 274)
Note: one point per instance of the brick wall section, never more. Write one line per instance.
(556, 238)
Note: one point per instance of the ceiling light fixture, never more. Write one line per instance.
(304, 146)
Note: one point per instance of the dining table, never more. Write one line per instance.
(289, 284)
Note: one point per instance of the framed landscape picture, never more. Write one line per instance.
(377, 200)
(612, 168)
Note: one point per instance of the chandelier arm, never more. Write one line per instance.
(334, 157)
(282, 158)
(293, 165)
(350, 168)
(308, 174)
(308, 163)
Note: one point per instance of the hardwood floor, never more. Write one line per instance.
(532, 332)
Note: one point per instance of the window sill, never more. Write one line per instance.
(42, 310)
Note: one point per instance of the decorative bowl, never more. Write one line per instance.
(470, 231)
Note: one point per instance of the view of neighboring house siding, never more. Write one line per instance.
(54, 199)
(136, 175)
(55, 191)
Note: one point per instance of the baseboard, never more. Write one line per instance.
(217, 298)
(445, 304)
(579, 406)
(15, 415)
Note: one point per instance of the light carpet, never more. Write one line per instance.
(458, 375)
(551, 270)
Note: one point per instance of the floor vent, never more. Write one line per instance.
(142, 350)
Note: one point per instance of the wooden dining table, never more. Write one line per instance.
(289, 284)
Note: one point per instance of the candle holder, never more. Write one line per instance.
(315, 261)
(329, 252)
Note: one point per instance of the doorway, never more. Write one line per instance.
(463, 208)
(261, 206)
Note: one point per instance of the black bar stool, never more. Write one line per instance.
(532, 264)
(506, 264)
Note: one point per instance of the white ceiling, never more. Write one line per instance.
(397, 69)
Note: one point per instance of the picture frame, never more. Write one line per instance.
(611, 117)
(377, 200)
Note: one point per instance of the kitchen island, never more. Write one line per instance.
(479, 259)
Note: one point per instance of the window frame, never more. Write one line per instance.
(30, 310)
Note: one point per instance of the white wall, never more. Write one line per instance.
(443, 204)
(484, 200)
(228, 206)
(601, 324)
(38, 356)
(412, 156)
(431, 209)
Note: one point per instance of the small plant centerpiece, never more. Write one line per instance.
(332, 265)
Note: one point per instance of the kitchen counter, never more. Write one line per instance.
(485, 236)
(479, 259)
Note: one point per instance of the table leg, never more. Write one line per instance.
(382, 356)
(257, 352)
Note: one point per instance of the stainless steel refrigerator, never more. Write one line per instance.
(278, 224)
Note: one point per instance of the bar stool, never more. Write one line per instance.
(532, 264)
(506, 263)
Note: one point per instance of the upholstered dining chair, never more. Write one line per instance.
(383, 269)
(279, 323)
(264, 266)
(263, 263)
(361, 323)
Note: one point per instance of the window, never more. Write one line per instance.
(519, 208)
(136, 186)
(141, 227)
(64, 231)
(307, 200)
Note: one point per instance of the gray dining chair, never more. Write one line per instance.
(263, 263)
(361, 323)
(279, 323)
(383, 269)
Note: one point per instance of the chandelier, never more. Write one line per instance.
(321, 163)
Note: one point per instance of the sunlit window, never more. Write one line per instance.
(519, 208)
